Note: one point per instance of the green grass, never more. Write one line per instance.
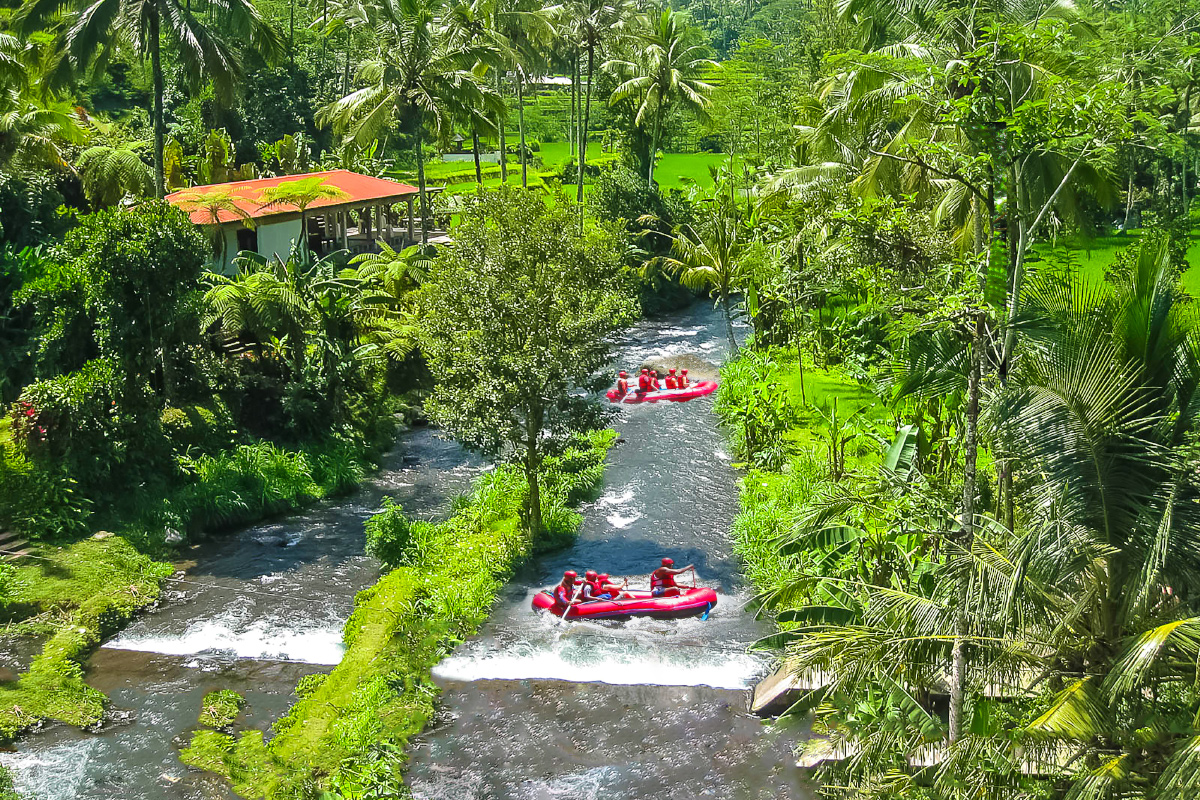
(339, 734)
(674, 170)
(88, 591)
(1094, 256)
(221, 708)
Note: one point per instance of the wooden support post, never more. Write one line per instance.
(345, 215)
(387, 216)
(411, 238)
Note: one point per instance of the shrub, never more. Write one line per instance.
(37, 501)
(203, 427)
(131, 256)
(338, 466)
(245, 483)
(388, 534)
(7, 790)
(220, 708)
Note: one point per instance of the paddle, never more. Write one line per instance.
(563, 618)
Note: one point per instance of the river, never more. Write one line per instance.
(531, 708)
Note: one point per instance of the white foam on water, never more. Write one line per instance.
(693, 331)
(261, 639)
(721, 455)
(56, 773)
(619, 521)
(615, 497)
(590, 784)
(586, 660)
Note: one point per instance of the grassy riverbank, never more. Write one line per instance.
(790, 441)
(348, 730)
(72, 595)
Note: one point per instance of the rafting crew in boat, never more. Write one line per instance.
(662, 580)
(622, 384)
(672, 380)
(682, 381)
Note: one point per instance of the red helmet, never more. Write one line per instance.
(668, 562)
(685, 372)
(623, 375)
(603, 576)
(570, 575)
(672, 370)
(644, 370)
(590, 575)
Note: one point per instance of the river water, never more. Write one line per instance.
(532, 709)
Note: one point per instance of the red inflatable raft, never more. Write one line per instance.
(674, 395)
(687, 604)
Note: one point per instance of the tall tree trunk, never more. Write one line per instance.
(155, 36)
(533, 432)
(583, 133)
(292, 33)
(1129, 198)
(958, 660)
(475, 152)
(733, 345)
(571, 111)
(521, 126)
(324, 47)
(420, 147)
(346, 70)
(303, 237)
(500, 130)
(654, 152)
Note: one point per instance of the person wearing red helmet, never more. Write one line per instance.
(591, 586)
(566, 593)
(662, 580)
(682, 381)
(644, 382)
(622, 384)
(610, 590)
(672, 381)
(654, 380)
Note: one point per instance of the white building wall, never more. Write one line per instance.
(274, 239)
(278, 238)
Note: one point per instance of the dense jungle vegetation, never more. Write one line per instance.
(954, 244)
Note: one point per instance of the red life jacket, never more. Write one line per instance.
(622, 386)
(681, 381)
(658, 581)
(644, 383)
(596, 588)
(672, 383)
(563, 596)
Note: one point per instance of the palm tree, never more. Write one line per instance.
(33, 125)
(707, 256)
(300, 194)
(203, 48)
(212, 203)
(666, 75)
(111, 172)
(1082, 614)
(591, 25)
(421, 71)
(265, 300)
